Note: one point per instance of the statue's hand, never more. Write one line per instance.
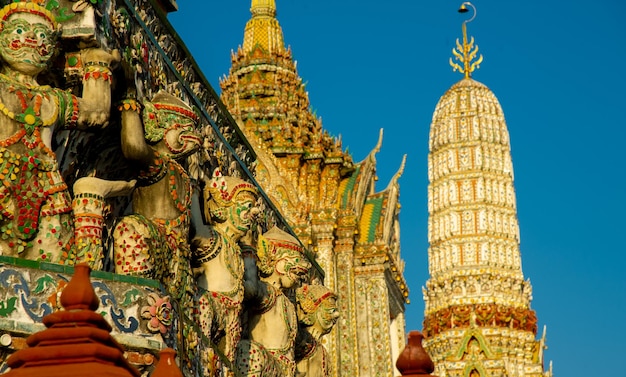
(252, 285)
(98, 55)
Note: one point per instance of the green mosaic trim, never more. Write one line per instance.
(376, 212)
(69, 270)
(345, 196)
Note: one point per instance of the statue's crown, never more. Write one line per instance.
(310, 296)
(224, 188)
(37, 7)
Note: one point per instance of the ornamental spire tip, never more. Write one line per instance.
(263, 7)
(466, 52)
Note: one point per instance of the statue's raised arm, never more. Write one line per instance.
(95, 104)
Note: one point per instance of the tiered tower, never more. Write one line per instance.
(478, 320)
(328, 200)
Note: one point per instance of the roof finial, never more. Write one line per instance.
(467, 52)
(263, 8)
(401, 169)
(396, 177)
(380, 142)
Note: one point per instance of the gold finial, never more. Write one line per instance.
(263, 8)
(467, 52)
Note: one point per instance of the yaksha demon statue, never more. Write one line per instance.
(230, 210)
(268, 347)
(35, 206)
(317, 314)
(154, 241)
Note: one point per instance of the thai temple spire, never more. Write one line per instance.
(263, 28)
(478, 319)
(263, 7)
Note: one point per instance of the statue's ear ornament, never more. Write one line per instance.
(218, 183)
(153, 133)
(263, 254)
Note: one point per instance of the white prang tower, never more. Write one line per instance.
(478, 320)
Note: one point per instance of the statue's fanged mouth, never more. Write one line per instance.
(34, 44)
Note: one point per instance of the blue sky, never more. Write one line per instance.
(556, 68)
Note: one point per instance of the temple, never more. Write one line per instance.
(477, 320)
(328, 200)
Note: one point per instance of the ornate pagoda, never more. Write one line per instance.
(328, 200)
(478, 320)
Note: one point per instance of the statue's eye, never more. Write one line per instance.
(19, 30)
(42, 35)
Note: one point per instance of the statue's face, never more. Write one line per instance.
(181, 140)
(327, 314)
(27, 42)
(243, 211)
(292, 267)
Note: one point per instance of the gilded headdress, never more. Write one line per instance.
(272, 245)
(33, 7)
(219, 193)
(163, 112)
(309, 298)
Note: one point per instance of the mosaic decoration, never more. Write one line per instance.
(27, 294)
(158, 312)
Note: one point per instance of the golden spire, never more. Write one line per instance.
(263, 8)
(263, 29)
(467, 52)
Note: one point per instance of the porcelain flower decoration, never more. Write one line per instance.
(158, 313)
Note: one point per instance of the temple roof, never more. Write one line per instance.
(303, 168)
(379, 212)
(354, 190)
